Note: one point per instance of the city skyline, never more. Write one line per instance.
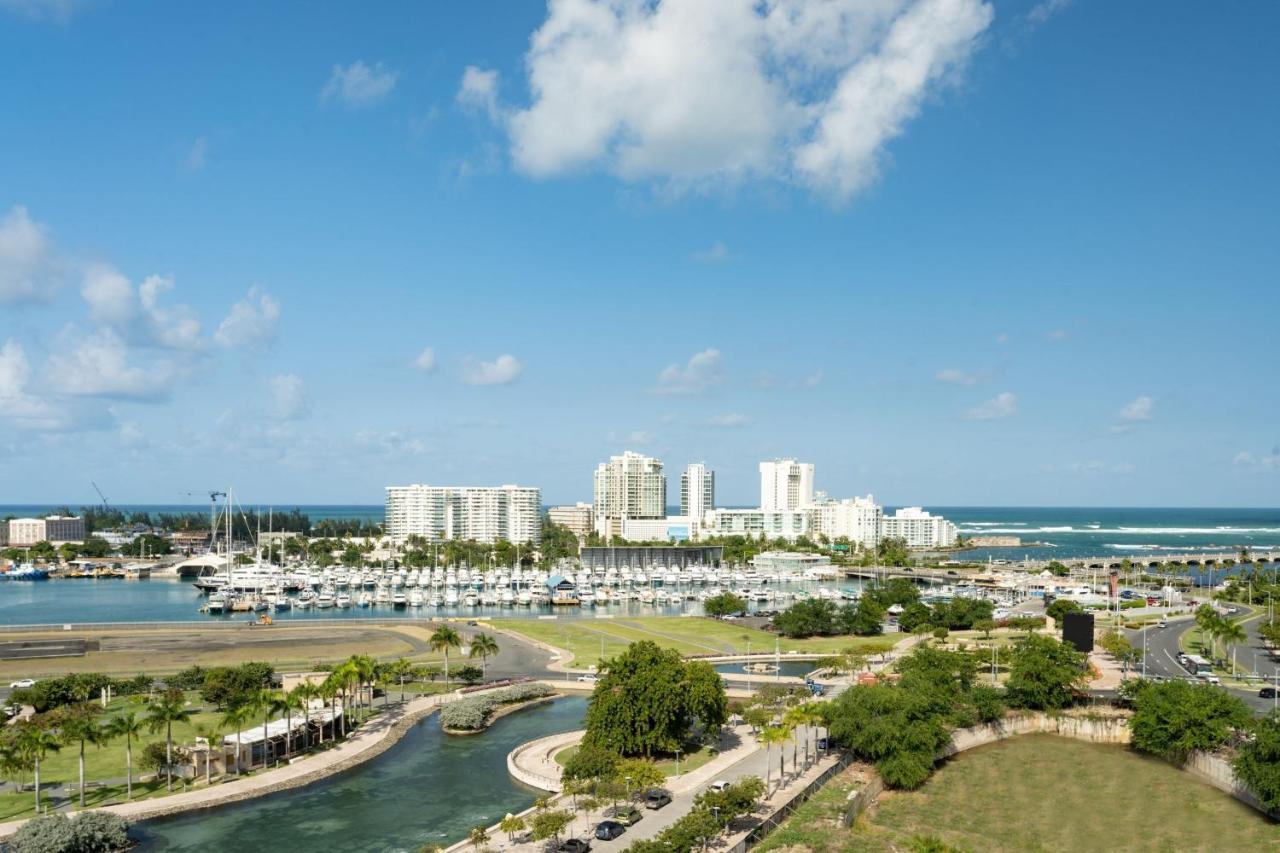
(381, 253)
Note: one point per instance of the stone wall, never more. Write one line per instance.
(1113, 730)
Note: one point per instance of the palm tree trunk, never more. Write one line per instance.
(237, 751)
(168, 755)
(128, 767)
(288, 735)
(264, 740)
(768, 767)
(208, 760)
(81, 774)
(37, 785)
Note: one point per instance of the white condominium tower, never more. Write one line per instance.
(785, 484)
(630, 486)
(485, 514)
(697, 492)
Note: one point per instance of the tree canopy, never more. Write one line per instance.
(648, 699)
(1173, 718)
(1044, 674)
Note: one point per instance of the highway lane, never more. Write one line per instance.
(1162, 646)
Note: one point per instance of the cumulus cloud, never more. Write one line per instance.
(479, 91)
(1057, 336)
(1138, 409)
(701, 372)
(729, 421)
(1000, 406)
(98, 365)
(390, 442)
(57, 11)
(26, 258)
(288, 397)
(251, 323)
(693, 92)
(359, 85)
(1265, 461)
(426, 360)
(136, 313)
(953, 376)
(714, 253)
(17, 404)
(501, 371)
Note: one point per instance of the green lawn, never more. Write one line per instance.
(1040, 792)
(587, 639)
(691, 761)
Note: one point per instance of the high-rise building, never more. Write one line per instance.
(697, 491)
(854, 519)
(485, 514)
(577, 519)
(630, 486)
(785, 484)
(918, 528)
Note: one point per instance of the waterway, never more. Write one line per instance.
(797, 668)
(430, 788)
(81, 600)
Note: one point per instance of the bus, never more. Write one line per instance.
(1197, 665)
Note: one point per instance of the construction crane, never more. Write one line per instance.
(213, 512)
(105, 505)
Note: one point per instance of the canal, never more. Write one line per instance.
(430, 788)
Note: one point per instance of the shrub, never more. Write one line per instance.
(473, 713)
(1258, 763)
(1174, 718)
(88, 832)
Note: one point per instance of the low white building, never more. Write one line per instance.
(791, 563)
(673, 528)
(24, 532)
(578, 519)
(918, 528)
(856, 519)
(789, 524)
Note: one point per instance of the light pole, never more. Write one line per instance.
(677, 763)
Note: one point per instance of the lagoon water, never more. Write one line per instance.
(430, 788)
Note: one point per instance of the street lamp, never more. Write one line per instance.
(677, 762)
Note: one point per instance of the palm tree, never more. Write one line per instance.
(235, 718)
(286, 703)
(399, 669)
(511, 825)
(483, 646)
(365, 670)
(305, 692)
(82, 725)
(166, 709)
(768, 736)
(210, 732)
(263, 702)
(797, 718)
(1232, 633)
(38, 742)
(443, 639)
(129, 727)
(327, 690)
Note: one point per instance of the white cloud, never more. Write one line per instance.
(17, 404)
(1138, 409)
(137, 314)
(1044, 10)
(1058, 335)
(953, 376)
(729, 421)
(390, 442)
(479, 91)
(1000, 406)
(1002, 338)
(26, 258)
(714, 253)
(251, 323)
(197, 156)
(288, 397)
(359, 85)
(692, 92)
(58, 11)
(1266, 461)
(813, 380)
(97, 365)
(501, 371)
(700, 373)
(640, 438)
(426, 360)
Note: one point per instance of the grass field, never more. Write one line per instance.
(1043, 793)
(588, 639)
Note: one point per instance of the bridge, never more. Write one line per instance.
(1173, 563)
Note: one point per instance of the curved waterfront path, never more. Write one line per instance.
(372, 738)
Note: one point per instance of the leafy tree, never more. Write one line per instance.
(469, 674)
(866, 620)
(1060, 608)
(511, 824)
(225, 686)
(1058, 569)
(1044, 673)
(1172, 719)
(1257, 763)
(894, 727)
(724, 604)
(647, 700)
(812, 616)
(549, 824)
(898, 591)
(915, 616)
(591, 763)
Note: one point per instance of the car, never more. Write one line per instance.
(656, 798)
(718, 785)
(1162, 624)
(607, 830)
(574, 845)
(626, 814)
(26, 682)
(1210, 678)
(589, 678)
(1267, 693)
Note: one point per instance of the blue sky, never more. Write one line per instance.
(951, 251)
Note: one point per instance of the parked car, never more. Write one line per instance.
(1210, 678)
(1267, 693)
(574, 845)
(26, 682)
(607, 830)
(1162, 624)
(718, 785)
(626, 814)
(656, 798)
(589, 678)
